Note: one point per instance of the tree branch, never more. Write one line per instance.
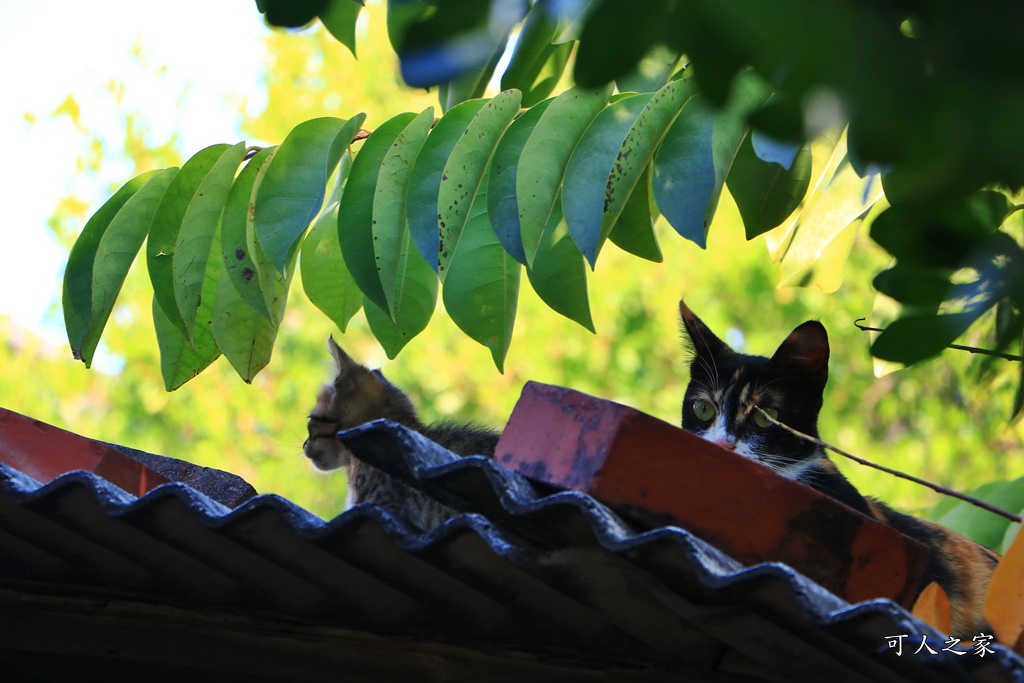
(935, 487)
(958, 347)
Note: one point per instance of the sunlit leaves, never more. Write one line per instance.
(293, 192)
(240, 265)
(545, 155)
(768, 190)
(465, 201)
(502, 200)
(425, 180)
(355, 214)
(464, 170)
(198, 230)
(482, 288)
(697, 155)
(163, 234)
(325, 277)
(389, 225)
(102, 256)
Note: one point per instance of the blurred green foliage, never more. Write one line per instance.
(934, 420)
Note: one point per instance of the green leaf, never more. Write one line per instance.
(425, 179)
(163, 234)
(585, 198)
(355, 214)
(389, 224)
(293, 189)
(545, 156)
(766, 193)
(198, 228)
(236, 225)
(917, 337)
(846, 198)
(697, 155)
(416, 303)
(685, 180)
(502, 201)
(914, 285)
(339, 17)
(536, 64)
(559, 272)
(634, 230)
(942, 234)
(827, 152)
(181, 360)
(464, 171)
(633, 160)
(982, 526)
(102, 255)
(245, 336)
(482, 288)
(325, 277)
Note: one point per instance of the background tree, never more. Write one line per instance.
(807, 197)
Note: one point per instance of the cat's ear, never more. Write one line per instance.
(806, 351)
(342, 361)
(703, 339)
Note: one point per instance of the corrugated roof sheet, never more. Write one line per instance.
(523, 566)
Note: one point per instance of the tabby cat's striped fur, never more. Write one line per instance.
(358, 395)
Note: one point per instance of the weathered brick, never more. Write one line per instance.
(655, 472)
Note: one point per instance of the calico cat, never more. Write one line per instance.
(719, 405)
(358, 395)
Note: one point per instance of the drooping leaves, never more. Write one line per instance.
(102, 255)
(767, 191)
(585, 200)
(464, 171)
(240, 265)
(389, 224)
(545, 156)
(199, 226)
(697, 155)
(325, 277)
(163, 234)
(294, 188)
(559, 272)
(425, 179)
(355, 214)
(339, 17)
(482, 289)
(502, 200)
(181, 359)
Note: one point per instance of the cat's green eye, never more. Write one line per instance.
(703, 410)
(761, 420)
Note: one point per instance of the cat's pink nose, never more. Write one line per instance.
(727, 445)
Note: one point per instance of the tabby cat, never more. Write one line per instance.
(719, 405)
(358, 395)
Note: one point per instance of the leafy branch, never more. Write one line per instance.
(858, 323)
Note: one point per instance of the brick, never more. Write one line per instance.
(45, 452)
(654, 472)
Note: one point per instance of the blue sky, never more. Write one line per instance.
(213, 54)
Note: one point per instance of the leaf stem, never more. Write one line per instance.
(958, 347)
(902, 475)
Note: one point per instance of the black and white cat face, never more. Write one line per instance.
(727, 388)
